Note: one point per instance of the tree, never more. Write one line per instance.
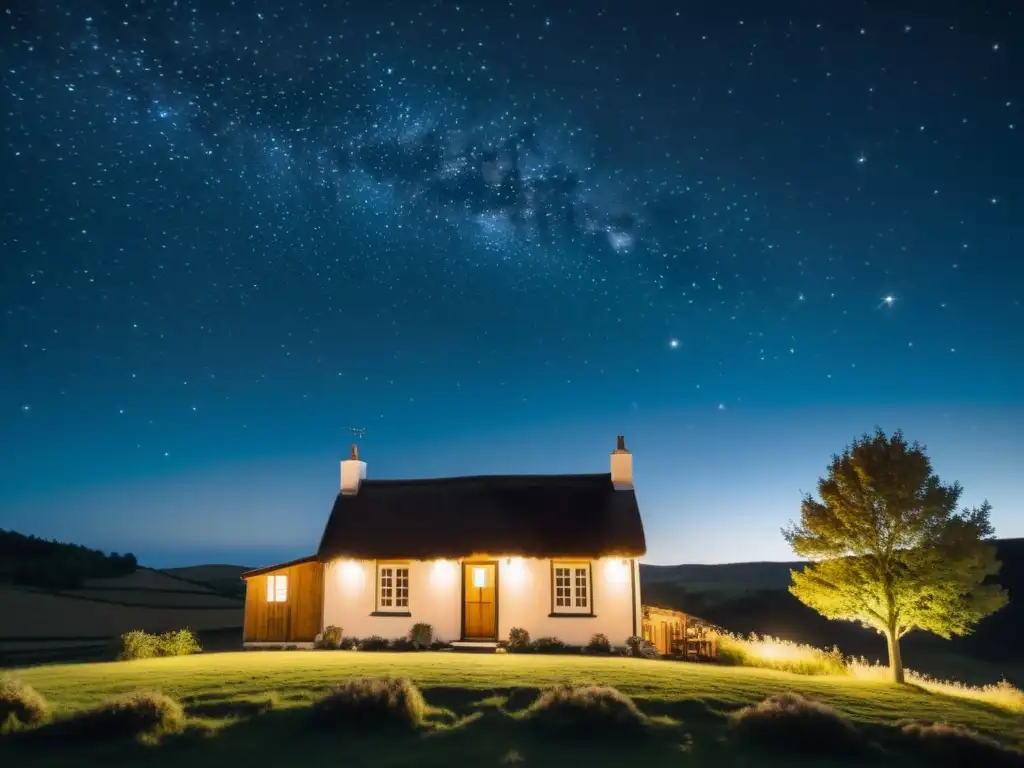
(889, 548)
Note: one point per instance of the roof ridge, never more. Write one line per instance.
(468, 478)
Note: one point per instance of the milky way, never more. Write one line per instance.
(376, 132)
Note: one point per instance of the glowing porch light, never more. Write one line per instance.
(514, 573)
(351, 574)
(616, 571)
(442, 574)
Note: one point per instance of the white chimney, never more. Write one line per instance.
(353, 472)
(622, 467)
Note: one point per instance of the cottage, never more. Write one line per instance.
(471, 556)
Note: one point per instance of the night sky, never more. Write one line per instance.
(496, 235)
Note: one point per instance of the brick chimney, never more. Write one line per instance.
(353, 472)
(622, 466)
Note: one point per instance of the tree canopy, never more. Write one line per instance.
(890, 549)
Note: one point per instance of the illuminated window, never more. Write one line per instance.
(571, 588)
(393, 588)
(277, 588)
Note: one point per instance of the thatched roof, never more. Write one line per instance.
(526, 515)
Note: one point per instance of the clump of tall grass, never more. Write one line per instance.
(590, 711)
(371, 702)
(20, 705)
(789, 722)
(954, 745)
(1002, 694)
(784, 655)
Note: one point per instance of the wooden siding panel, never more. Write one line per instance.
(296, 620)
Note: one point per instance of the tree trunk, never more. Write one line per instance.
(895, 659)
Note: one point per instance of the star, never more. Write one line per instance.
(889, 300)
(673, 343)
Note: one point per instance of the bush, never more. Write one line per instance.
(138, 714)
(642, 649)
(421, 635)
(789, 722)
(772, 653)
(137, 645)
(142, 645)
(178, 643)
(518, 640)
(599, 644)
(331, 639)
(349, 644)
(548, 645)
(21, 703)
(374, 643)
(439, 645)
(402, 644)
(587, 711)
(371, 701)
(944, 744)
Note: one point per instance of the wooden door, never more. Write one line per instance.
(480, 601)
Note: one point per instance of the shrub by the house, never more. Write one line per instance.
(642, 649)
(20, 704)
(599, 643)
(371, 701)
(143, 645)
(349, 644)
(421, 635)
(548, 645)
(587, 711)
(518, 640)
(331, 637)
(791, 723)
(374, 643)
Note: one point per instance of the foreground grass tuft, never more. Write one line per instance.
(953, 745)
(588, 711)
(20, 704)
(141, 714)
(792, 723)
(371, 701)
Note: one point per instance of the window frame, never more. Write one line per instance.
(380, 609)
(277, 588)
(574, 567)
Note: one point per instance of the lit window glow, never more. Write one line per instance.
(479, 578)
(571, 588)
(277, 588)
(393, 588)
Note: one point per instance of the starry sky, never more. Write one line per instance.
(495, 235)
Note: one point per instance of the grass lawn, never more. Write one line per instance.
(223, 691)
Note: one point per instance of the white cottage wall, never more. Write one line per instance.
(524, 600)
(350, 599)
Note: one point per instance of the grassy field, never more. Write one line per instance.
(227, 696)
